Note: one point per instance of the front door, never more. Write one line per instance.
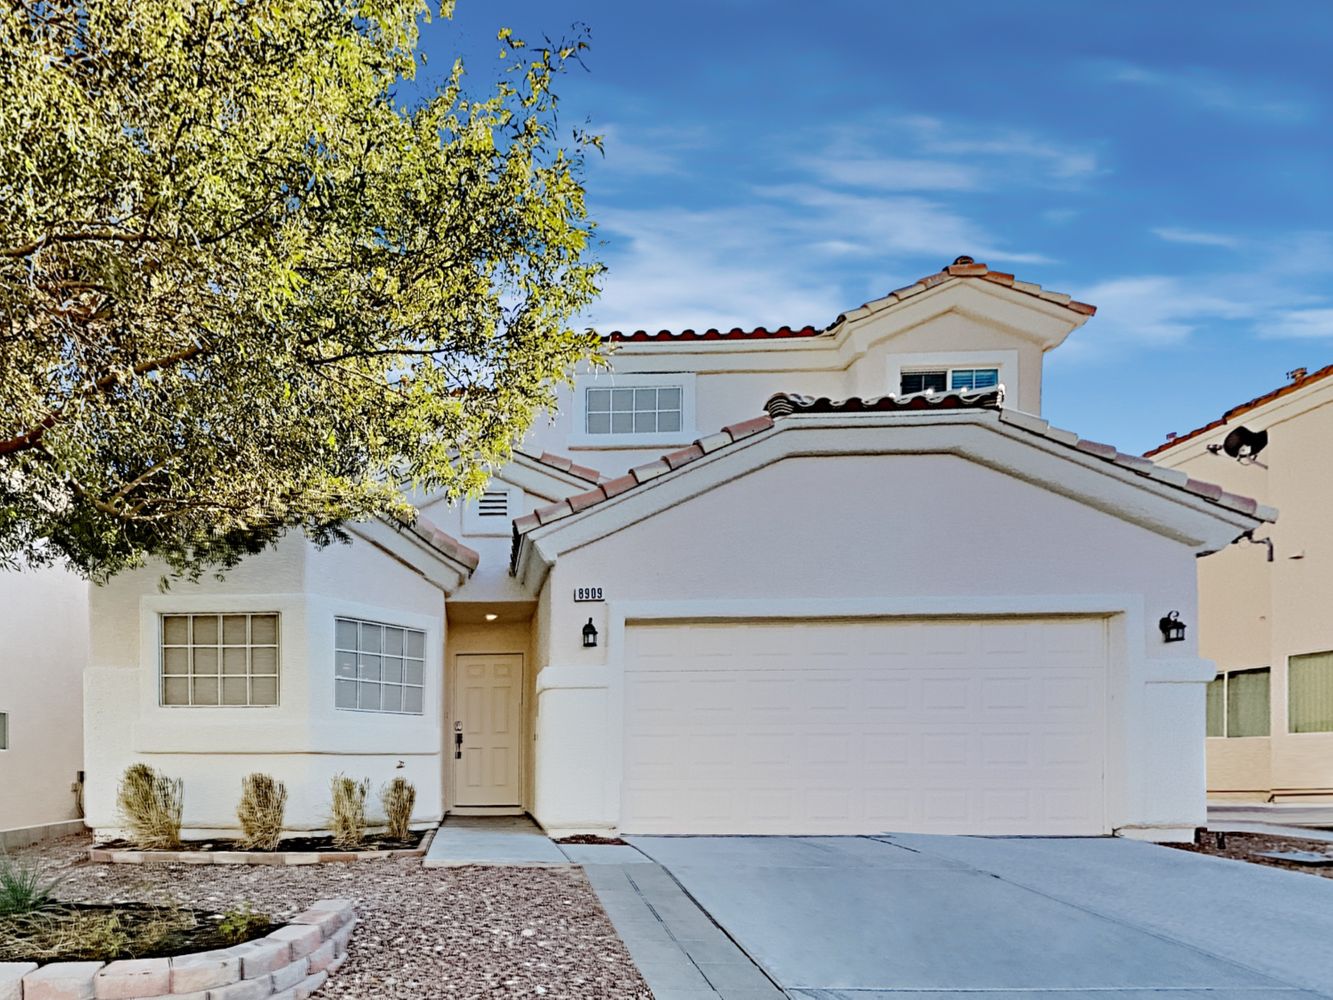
(487, 728)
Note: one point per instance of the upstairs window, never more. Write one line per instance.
(648, 410)
(1238, 703)
(948, 379)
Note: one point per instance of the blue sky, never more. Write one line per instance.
(771, 163)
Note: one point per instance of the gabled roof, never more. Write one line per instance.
(443, 542)
(1295, 385)
(422, 546)
(962, 267)
(787, 405)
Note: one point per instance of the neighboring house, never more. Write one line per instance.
(866, 589)
(1268, 624)
(43, 650)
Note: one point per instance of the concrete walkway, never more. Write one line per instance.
(492, 840)
(927, 918)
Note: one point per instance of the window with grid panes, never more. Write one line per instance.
(228, 660)
(378, 667)
(647, 410)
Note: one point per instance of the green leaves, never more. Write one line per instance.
(243, 292)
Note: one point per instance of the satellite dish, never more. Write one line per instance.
(1242, 444)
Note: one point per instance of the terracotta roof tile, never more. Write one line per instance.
(426, 529)
(565, 464)
(962, 267)
(786, 404)
(1294, 385)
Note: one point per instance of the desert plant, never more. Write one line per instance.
(398, 797)
(24, 888)
(243, 923)
(263, 802)
(150, 806)
(348, 823)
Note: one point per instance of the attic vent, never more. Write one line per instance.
(494, 503)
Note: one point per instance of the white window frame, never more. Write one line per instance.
(580, 438)
(190, 645)
(1225, 677)
(424, 686)
(474, 523)
(1005, 362)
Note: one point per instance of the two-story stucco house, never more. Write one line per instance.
(851, 582)
(1267, 623)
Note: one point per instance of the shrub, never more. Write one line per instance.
(348, 823)
(150, 806)
(263, 803)
(23, 888)
(242, 924)
(398, 797)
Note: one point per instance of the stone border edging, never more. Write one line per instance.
(289, 964)
(117, 856)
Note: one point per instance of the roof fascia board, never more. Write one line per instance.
(410, 550)
(1264, 416)
(978, 436)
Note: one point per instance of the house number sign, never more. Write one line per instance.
(582, 594)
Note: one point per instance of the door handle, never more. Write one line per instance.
(458, 741)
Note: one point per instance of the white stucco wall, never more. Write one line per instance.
(304, 740)
(43, 651)
(863, 535)
(959, 324)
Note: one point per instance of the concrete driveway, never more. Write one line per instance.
(856, 918)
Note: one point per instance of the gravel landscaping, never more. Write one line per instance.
(1247, 847)
(424, 933)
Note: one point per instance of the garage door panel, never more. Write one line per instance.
(943, 726)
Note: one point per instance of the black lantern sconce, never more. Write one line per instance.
(1173, 629)
(590, 635)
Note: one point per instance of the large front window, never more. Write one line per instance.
(379, 667)
(219, 659)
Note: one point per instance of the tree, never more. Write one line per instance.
(245, 288)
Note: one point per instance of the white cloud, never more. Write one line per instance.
(1159, 309)
(652, 151)
(1298, 324)
(897, 174)
(1207, 89)
(1196, 237)
(1020, 150)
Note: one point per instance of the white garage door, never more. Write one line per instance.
(934, 726)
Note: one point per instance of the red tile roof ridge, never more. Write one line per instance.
(784, 404)
(429, 532)
(1294, 385)
(566, 464)
(962, 267)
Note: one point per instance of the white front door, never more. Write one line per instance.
(487, 729)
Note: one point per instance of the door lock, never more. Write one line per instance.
(458, 741)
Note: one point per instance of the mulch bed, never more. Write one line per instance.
(314, 845)
(1247, 847)
(73, 932)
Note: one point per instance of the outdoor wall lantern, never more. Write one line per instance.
(590, 635)
(1173, 629)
